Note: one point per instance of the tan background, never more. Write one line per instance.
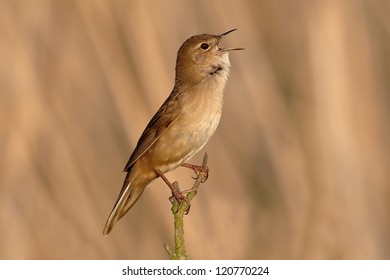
(299, 164)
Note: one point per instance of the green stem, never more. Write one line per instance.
(178, 211)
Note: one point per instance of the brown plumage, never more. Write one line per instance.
(183, 124)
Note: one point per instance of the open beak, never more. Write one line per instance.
(228, 49)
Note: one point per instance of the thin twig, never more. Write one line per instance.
(178, 211)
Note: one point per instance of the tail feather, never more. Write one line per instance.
(131, 191)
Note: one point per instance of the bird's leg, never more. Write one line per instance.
(199, 171)
(180, 197)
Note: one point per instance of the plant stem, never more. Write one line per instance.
(178, 211)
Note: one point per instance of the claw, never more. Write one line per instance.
(202, 171)
(176, 193)
(180, 198)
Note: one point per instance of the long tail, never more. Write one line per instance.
(131, 191)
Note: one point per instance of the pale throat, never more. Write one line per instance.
(216, 81)
(218, 72)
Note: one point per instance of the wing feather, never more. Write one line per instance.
(163, 119)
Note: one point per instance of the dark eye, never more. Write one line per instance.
(204, 46)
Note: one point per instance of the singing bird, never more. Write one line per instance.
(183, 124)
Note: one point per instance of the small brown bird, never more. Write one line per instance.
(182, 125)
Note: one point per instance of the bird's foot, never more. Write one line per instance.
(176, 193)
(200, 171)
(180, 198)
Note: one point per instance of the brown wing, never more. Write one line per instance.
(163, 119)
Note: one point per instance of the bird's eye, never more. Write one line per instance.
(204, 46)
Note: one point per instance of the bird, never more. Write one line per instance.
(182, 125)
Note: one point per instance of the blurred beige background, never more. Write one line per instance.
(299, 164)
